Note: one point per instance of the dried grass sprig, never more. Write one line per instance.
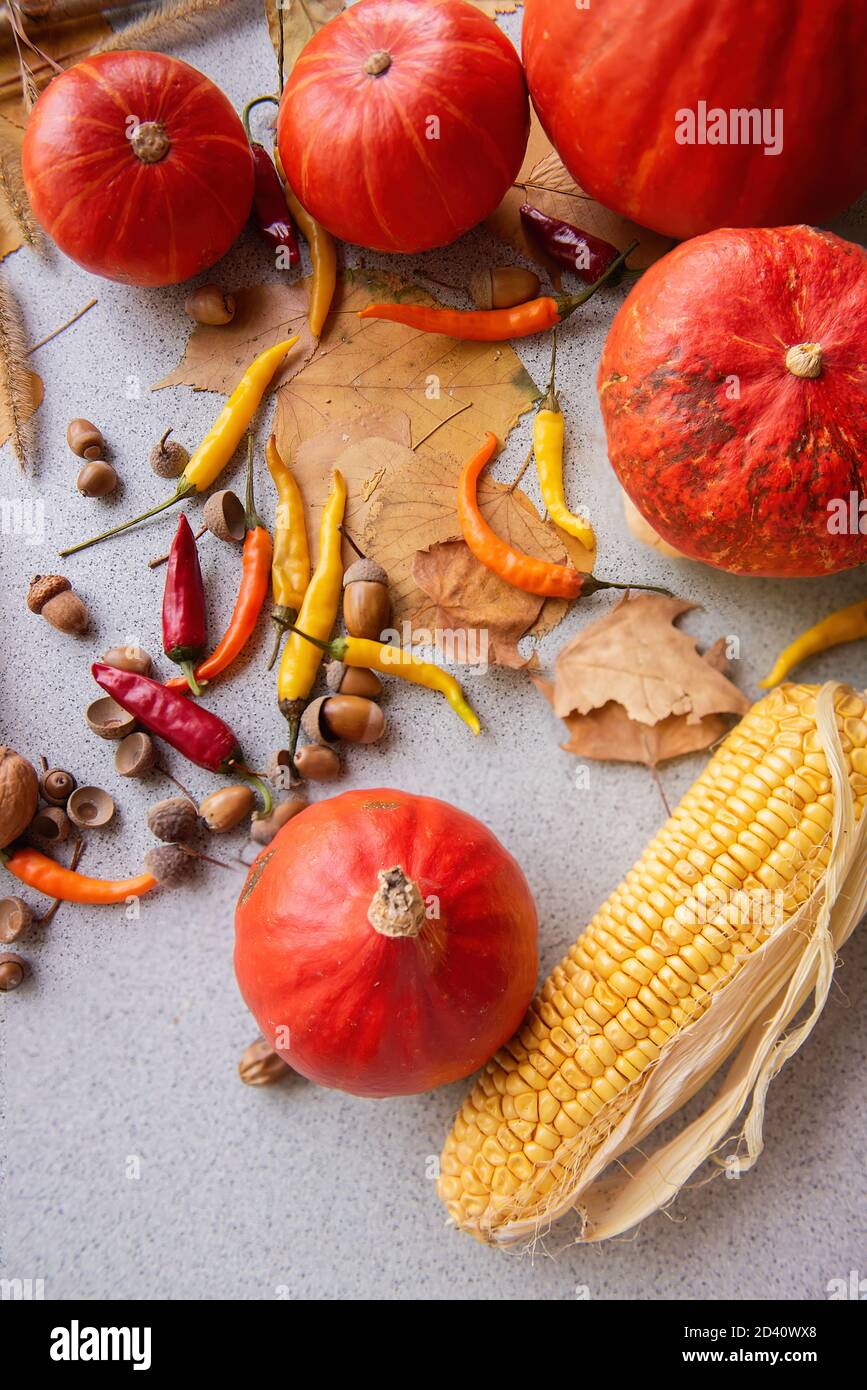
(15, 196)
(16, 387)
(163, 23)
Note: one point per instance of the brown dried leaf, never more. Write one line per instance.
(545, 182)
(24, 403)
(609, 735)
(216, 357)
(369, 362)
(467, 598)
(301, 20)
(416, 507)
(635, 656)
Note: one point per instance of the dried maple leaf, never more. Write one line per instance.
(470, 609)
(635, 656)
(451, 391)
(415, 508)
(215, 358)
(545, 182)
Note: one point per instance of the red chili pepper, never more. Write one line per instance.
(587, 255)
(273, 217)
(193, 731)
(492, 325)
(255, 574)
(184, 619)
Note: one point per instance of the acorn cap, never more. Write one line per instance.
(51, 825)
(107, 719)
(43, 587)
(366, 571)
(135, 755)
(311, 722)
(224, 516)
(90, 807)
(334, 673)
(15, 918)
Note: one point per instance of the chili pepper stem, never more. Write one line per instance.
(357, 548)
(324, 646)
(550, 401)
(252, 520)
(178, 496)
(568, 303)
(245, 114)
(591, 584)
(245, 775)
(282, 618)
(189, 670)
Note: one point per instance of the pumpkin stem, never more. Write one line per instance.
(805, 359)
(150, 143)
(397, 907)
(378, 63)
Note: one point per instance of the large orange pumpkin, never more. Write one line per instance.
(386, 943)
(614, 83)
(404, 122)
(138, 167)
(733, 386)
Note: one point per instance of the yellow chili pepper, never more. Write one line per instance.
(301, 660)
(290, 566)
(395, 661)
(846, 625)
(323, 254)
(219, 444)
(548, 436)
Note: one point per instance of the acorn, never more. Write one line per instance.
(128, 659)
(52, 596)
(224, 516)
(85, 439)
(264, 828)
(169, 864)
(211, 304)
(366, 600)
(316, 763)
(168, 458)
(51, 825)
(503, 286)
(279, 770)
(12, 970)
(349, 717)
(56, 786)
(15, 918)
(352, 680)
(173, 819)
(96, 479)
(224, 809)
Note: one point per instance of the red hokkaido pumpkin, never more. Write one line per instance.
(137, 166)
(611, 79)
(386, 943)
(404, 122)
(733, 386)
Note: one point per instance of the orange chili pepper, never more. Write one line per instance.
(256, 569)
(56, 881)
(493, 325)
(522, 571)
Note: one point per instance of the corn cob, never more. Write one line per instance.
(742, 853)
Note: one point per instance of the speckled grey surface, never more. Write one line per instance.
(136, 1163)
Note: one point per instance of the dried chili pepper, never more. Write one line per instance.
(273, 217)
(323, 257)
(587, 255)
(548, 438)
(219, 444)
(514, 566)
(184, 616)
(290, 568)
(493, 325)
(846, 625)
(46, 876)
(256, 562)
(195, 732)
(301, 659)
(367, 654)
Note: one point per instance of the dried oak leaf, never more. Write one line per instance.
(415, 508)
(215, 358)
(635, 656)
(451, 391)
(301, 20)
(545, 182)
(470, 605)
(367, 449)
(609, 735)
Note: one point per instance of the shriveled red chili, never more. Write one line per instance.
(493, 325)
(184, 616)
(579, 251)
(270, 209)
